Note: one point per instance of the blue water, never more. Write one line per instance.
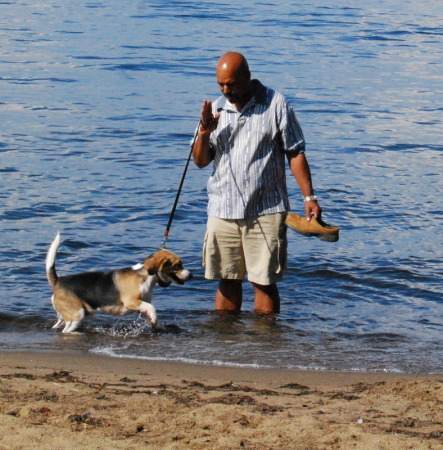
(99, 101)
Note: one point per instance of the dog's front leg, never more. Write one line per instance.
(149, 310)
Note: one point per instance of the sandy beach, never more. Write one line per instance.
(75, 401)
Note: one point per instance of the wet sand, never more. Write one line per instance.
(79, 401)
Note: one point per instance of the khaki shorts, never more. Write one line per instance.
(256, 246)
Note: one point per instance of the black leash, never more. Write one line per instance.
(171, 216)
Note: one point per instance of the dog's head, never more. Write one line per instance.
(168, 267)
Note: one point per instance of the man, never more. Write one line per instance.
(248, 133)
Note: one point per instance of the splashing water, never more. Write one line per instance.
(125, 329)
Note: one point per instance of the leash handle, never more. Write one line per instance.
(174, 207)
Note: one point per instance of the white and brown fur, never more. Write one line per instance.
(117, 292)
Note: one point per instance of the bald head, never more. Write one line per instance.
(234, 79)
(233, 63)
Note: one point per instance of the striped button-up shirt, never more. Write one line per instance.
(250, 149)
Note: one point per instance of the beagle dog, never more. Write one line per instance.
(117, 292)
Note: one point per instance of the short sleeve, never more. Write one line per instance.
(291, 132)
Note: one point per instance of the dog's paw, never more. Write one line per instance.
(149, 310)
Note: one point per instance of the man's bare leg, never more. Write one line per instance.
(229, 295)
(267, 299)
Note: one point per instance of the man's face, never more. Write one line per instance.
(234, 86)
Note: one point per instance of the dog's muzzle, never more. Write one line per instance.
(184, 276)
(180, 278)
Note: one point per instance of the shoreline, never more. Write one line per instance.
(53, 400)
(105, 364)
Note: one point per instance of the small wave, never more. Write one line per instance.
(23, 80)
(109, 351)
(22, 322)
(8, 169)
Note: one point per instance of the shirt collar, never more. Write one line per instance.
(259, 92)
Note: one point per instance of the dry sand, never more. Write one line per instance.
(80, 401)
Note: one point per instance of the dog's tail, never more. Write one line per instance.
(51, 274)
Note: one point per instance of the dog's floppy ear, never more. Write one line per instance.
(157, 262)
(151, 264)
